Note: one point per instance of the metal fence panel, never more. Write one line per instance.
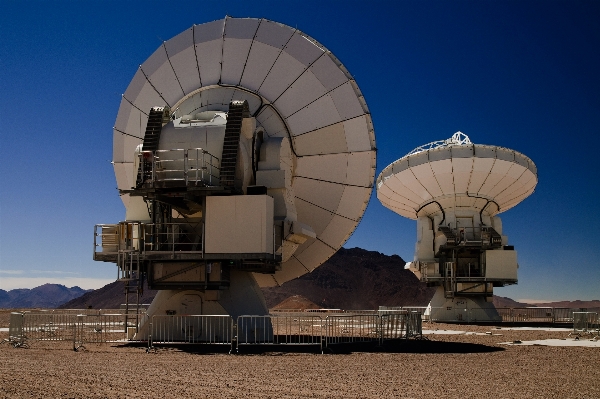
(280, 329)
(100, 329)
(191, 329)
(585, 322)
(352, 329)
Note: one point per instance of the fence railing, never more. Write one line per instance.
(70, 326)
(191, 329)
(586, 322)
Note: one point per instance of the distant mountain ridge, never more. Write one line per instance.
(44, 296)
(351, 279)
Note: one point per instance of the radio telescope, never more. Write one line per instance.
(455, 189)
(244, 154)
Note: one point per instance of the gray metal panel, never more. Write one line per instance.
(273, 34)
(484, 151)
(439, 154)
(180, 50)
(354, 129)
(418, 158)
(400, 165)
(285, 71)
(328, 73)
(259, 63)
(347, 102)
(505, 154)
(159, 72)
(328, 140)
(462, 151)
(303, 49)
(318, 114)
(301, 93)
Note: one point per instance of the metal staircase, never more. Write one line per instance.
(238, 110)
(157, 118)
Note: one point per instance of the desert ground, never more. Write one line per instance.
(473, 364)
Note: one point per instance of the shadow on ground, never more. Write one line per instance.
(392, 346)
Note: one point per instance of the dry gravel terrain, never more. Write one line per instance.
(445, 366)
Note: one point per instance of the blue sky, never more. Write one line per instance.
(523, 75)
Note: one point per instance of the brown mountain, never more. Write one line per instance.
(356, 279)
(595, 304)
(111, 296)
(296, 302)
(44, 296)
(503, 302)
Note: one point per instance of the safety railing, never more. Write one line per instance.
(300, 329)
(194, 166)
(191, 329)
(135, 238)
(66, 326)
(345, 329)
(585, 322)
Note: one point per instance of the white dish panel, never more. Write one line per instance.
(186, 69)
(323, 167)
(302, 49)
(396, 183)
(461, 170)
(410, 182)
(424, 174)
(360, 169)
(328, 140)
(285, 71)
(354, 202)
(164, 80)
(259, 63)
(328, 73)
(273, 34)
(126, 149)
(121, 174)
(271, 122)
(235, 53)
(337, 231)
(208, 55)
(290, 270)
(317, 218)
(300, 93)
(356, 138)
(321, 193)
(131, 120)
(315, 255)
(316, 115)
(347, 102)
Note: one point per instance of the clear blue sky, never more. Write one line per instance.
(523, 75)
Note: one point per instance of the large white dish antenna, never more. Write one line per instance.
(296, 88)
(454, 174)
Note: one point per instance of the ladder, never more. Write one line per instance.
(238, 110)
(157, 117)
(449, 280)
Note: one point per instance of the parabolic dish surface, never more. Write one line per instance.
(296, 88)
(469, 176)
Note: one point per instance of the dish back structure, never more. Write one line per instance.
(244, 154)
(455, 189)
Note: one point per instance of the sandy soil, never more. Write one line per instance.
(445, 366)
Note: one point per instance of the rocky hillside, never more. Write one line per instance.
(44, 296)
(356, 279)
(111, 296)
